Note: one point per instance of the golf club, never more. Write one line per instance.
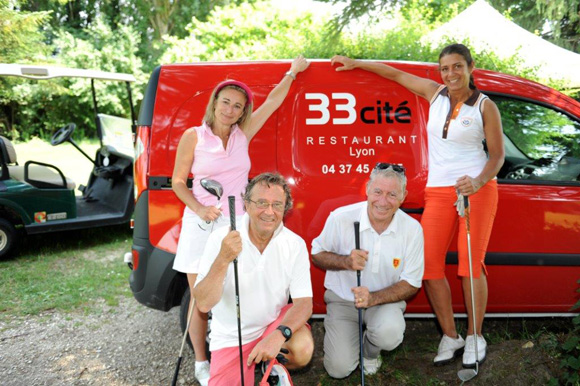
(215, 188)
(183, 340)
(360, 329)
(468, 374)
(232, 204)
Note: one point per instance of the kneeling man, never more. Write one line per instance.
(391, 264)
(273, 264)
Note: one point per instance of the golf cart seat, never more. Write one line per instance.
(38, 174)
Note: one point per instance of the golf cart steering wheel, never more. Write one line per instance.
(63, 134)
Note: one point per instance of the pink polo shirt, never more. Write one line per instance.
(230, 167)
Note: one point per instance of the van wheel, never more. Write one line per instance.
(7, 237)
(183, 311)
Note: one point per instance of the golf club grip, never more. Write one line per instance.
(357, 246)
(176, 374)
(232, 204)
(467, 210)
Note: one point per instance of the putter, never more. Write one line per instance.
(468, 374)
(215, 188)
(232, 204)
(360, 329)
(183, 340)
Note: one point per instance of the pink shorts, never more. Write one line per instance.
(441, 223)
(225, 362)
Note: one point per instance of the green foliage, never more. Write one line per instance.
(38, 108)
(20, 35)
(570, 351)
(562, 17)
(250, 31)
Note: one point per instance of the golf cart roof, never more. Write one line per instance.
(32, 71)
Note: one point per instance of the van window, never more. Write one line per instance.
(541, 144)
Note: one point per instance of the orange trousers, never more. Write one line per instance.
(441, 222)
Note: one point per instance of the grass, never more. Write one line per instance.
(79, 271)
(64, 271)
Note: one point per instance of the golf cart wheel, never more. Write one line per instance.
(183, 311)
(7, 237)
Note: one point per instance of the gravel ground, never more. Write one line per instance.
(131, 344)
(125, 345)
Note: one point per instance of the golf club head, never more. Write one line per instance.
(213, 187)
(468, 374)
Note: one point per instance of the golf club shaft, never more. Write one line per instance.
(473, 310)
(232, 205)
(360, 329)
(183, 340)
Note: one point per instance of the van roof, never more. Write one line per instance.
(32, 71)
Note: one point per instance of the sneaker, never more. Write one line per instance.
(202, 372)
(371, 366)
(469, 354)
(273, 379)
(449, 349)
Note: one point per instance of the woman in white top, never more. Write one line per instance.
(460, 119)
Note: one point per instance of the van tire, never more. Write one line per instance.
(8, 237)
(183, 310)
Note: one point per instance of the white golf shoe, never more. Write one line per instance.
(469, 353)
(449, 349)
(371, 366)
(202, 372)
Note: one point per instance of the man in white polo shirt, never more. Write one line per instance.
(273, 264)
(391, 264)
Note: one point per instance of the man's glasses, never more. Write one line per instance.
(263, 204)
(384, 165)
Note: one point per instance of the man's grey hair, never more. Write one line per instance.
(269, 179)
(388, 173)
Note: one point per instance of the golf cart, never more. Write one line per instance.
(37, 197)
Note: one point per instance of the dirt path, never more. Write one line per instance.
(133, 345)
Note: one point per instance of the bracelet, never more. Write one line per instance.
(291, 74)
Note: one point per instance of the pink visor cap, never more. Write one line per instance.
(243, 86)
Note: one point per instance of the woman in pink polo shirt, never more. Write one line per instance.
(217, 150)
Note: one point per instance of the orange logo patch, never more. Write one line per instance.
(396, 262)
(40, 217)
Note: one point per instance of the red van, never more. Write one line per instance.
(326, 137)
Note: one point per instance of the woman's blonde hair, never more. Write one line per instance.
(209, 116)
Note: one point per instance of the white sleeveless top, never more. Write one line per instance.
(455, 138)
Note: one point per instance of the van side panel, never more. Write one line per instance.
(325, 138)
(332, 134)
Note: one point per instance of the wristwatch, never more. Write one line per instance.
(286, 331)
(291, 74)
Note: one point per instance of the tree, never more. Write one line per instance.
(20, 33)
(562, 16)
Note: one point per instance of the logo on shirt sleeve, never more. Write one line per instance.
(396, 262)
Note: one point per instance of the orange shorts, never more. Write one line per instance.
(441, 222)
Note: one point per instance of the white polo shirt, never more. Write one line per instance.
(394, 255)
(265, 282)
(459, 151)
